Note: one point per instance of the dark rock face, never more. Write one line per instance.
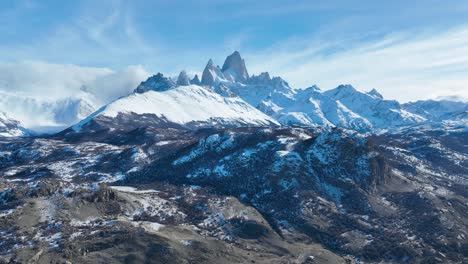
(10, 127)
(262, 79)
(438, 110)
(234, 68)
(183, 79)
(211, 74)
(158, 83)
(375, 93)
(232, 195)
(195, 80)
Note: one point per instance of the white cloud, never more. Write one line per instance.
(47, 79)
(100, 34)
(40, 94)
(116, 84)
(402, 66)
(55, 81)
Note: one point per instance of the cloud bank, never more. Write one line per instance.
(42, 94)
(55, 81)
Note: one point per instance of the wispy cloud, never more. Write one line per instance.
(237, 41)
(101, 34)
(403, 66)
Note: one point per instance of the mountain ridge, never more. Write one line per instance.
(186, 104)
(343, 106)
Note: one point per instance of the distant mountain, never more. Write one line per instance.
(379, 112)
(437, 110)
(183, 79)
(44, 115)
(234, 68)
(10, 127)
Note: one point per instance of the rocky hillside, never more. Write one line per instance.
(236, 195)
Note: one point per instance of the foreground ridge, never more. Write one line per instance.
(235, 194)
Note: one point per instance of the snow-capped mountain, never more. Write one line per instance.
(157, 83)
(229, 93)
(343, 106)
(10, 127)
(234, 68)
(372, 107)
(189, 105)
(437, 110)
(43, 114)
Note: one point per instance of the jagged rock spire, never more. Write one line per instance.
(183, 79)
(263, 78)
(375, 93)
(234, 68)
(211, 74)
(195, 80)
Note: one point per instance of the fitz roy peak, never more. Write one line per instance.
(234, 68)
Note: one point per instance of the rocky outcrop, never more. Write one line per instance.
(195, 80)
(211, 74)
(262, 79)
(183, 79)
(10, 127)
(158, 83)
(375, 93)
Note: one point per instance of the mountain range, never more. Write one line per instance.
(229, 95)
(343, 106)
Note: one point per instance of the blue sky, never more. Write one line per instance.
(406, 49)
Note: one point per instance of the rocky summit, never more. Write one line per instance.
(239, 168)
(156, 82)
(234, 68)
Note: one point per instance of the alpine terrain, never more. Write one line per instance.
(229, 167)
